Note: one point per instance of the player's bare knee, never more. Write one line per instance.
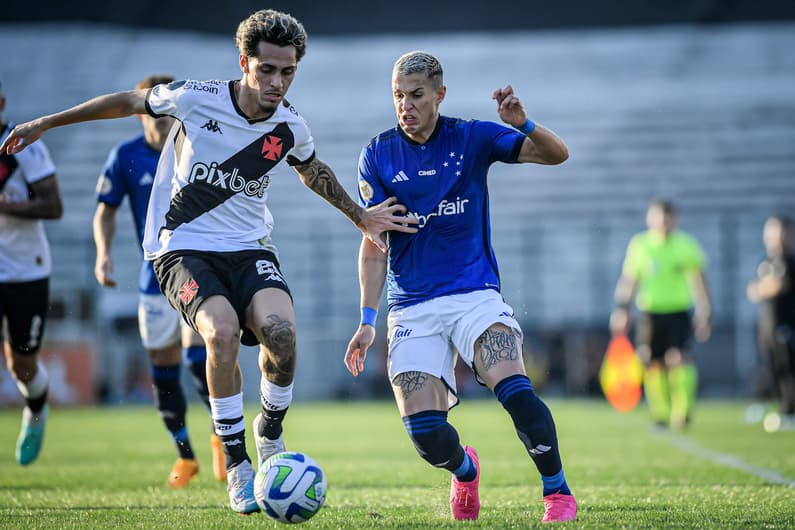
(278, 336)
(23, 367)
(222, 339)
(674, 357)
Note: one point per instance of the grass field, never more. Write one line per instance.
(106, 468)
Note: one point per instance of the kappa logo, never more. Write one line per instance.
(400, 177)
(188, 291)
(272, 147)
(212, 126)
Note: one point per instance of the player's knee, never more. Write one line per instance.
(674, 357)
(435, 440)
(222, 339)
(22, 367)
(278, 336)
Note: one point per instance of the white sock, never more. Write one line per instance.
(273, 397)
(227, 414)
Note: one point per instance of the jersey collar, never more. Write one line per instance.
(240, 111)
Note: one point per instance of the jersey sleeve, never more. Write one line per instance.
(696, 258)
(633, 259)
(110, 184)
(304, 149)
(172, 99)
(502, 143)
(371, 191)
(35, 162)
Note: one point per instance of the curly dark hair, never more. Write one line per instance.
(270, 26)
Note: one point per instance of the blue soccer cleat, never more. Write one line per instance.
(31, 435)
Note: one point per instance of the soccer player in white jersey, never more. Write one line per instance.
(443, 282)
(28, 193)
(129, 172)
(208, 228)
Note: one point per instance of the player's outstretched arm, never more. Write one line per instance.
(542, 146)
(373, 221)
(372, 272)
(117, 105)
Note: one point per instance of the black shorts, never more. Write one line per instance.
(189, 277)
(661, 332)
(24, 306)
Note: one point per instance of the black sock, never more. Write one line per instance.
(36, 404)
(170, 402)
(271, 426)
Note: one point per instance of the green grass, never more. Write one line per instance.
(106, 468)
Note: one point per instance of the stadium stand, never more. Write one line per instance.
(702, 115)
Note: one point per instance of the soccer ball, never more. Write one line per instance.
(290, 487)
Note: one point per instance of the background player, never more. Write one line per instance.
(129, 172)
(28, 193)
(774, 289)
(443, 282)
(665, 267)
(208, 227)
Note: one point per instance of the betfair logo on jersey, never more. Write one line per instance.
(444, 208)
(231, 181)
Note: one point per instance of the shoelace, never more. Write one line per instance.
(462, 496)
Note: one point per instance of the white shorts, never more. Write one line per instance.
(429, 336)
(158, 322)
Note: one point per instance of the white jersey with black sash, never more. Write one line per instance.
(212, 179)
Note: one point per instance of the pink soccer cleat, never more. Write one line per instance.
(559, 507)
(464, 500)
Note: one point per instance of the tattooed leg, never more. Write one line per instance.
(498, 354)
(278, 351)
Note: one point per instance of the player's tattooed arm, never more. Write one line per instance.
(374, 221)
(496, 345)
(319, 177)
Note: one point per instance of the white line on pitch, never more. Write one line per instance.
(773, 477)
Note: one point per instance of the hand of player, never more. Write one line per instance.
(384, 217)
(103, 270)
(702, 327)
(22, 136)
(619, 321)
(357, 349)
(509, 107)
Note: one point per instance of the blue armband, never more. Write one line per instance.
(368, 316)
(528, 127)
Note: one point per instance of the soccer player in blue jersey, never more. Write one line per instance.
(443, 282)
(129, 172)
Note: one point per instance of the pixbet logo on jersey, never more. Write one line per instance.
(444, 208)
(232, 181)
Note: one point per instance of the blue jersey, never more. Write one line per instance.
(443, 184)
(129, 172)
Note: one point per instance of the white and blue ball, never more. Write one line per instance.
(290, 487)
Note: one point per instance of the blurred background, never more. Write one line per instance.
(693, 101)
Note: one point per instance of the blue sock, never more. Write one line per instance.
(555, 484)
(466, 472)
